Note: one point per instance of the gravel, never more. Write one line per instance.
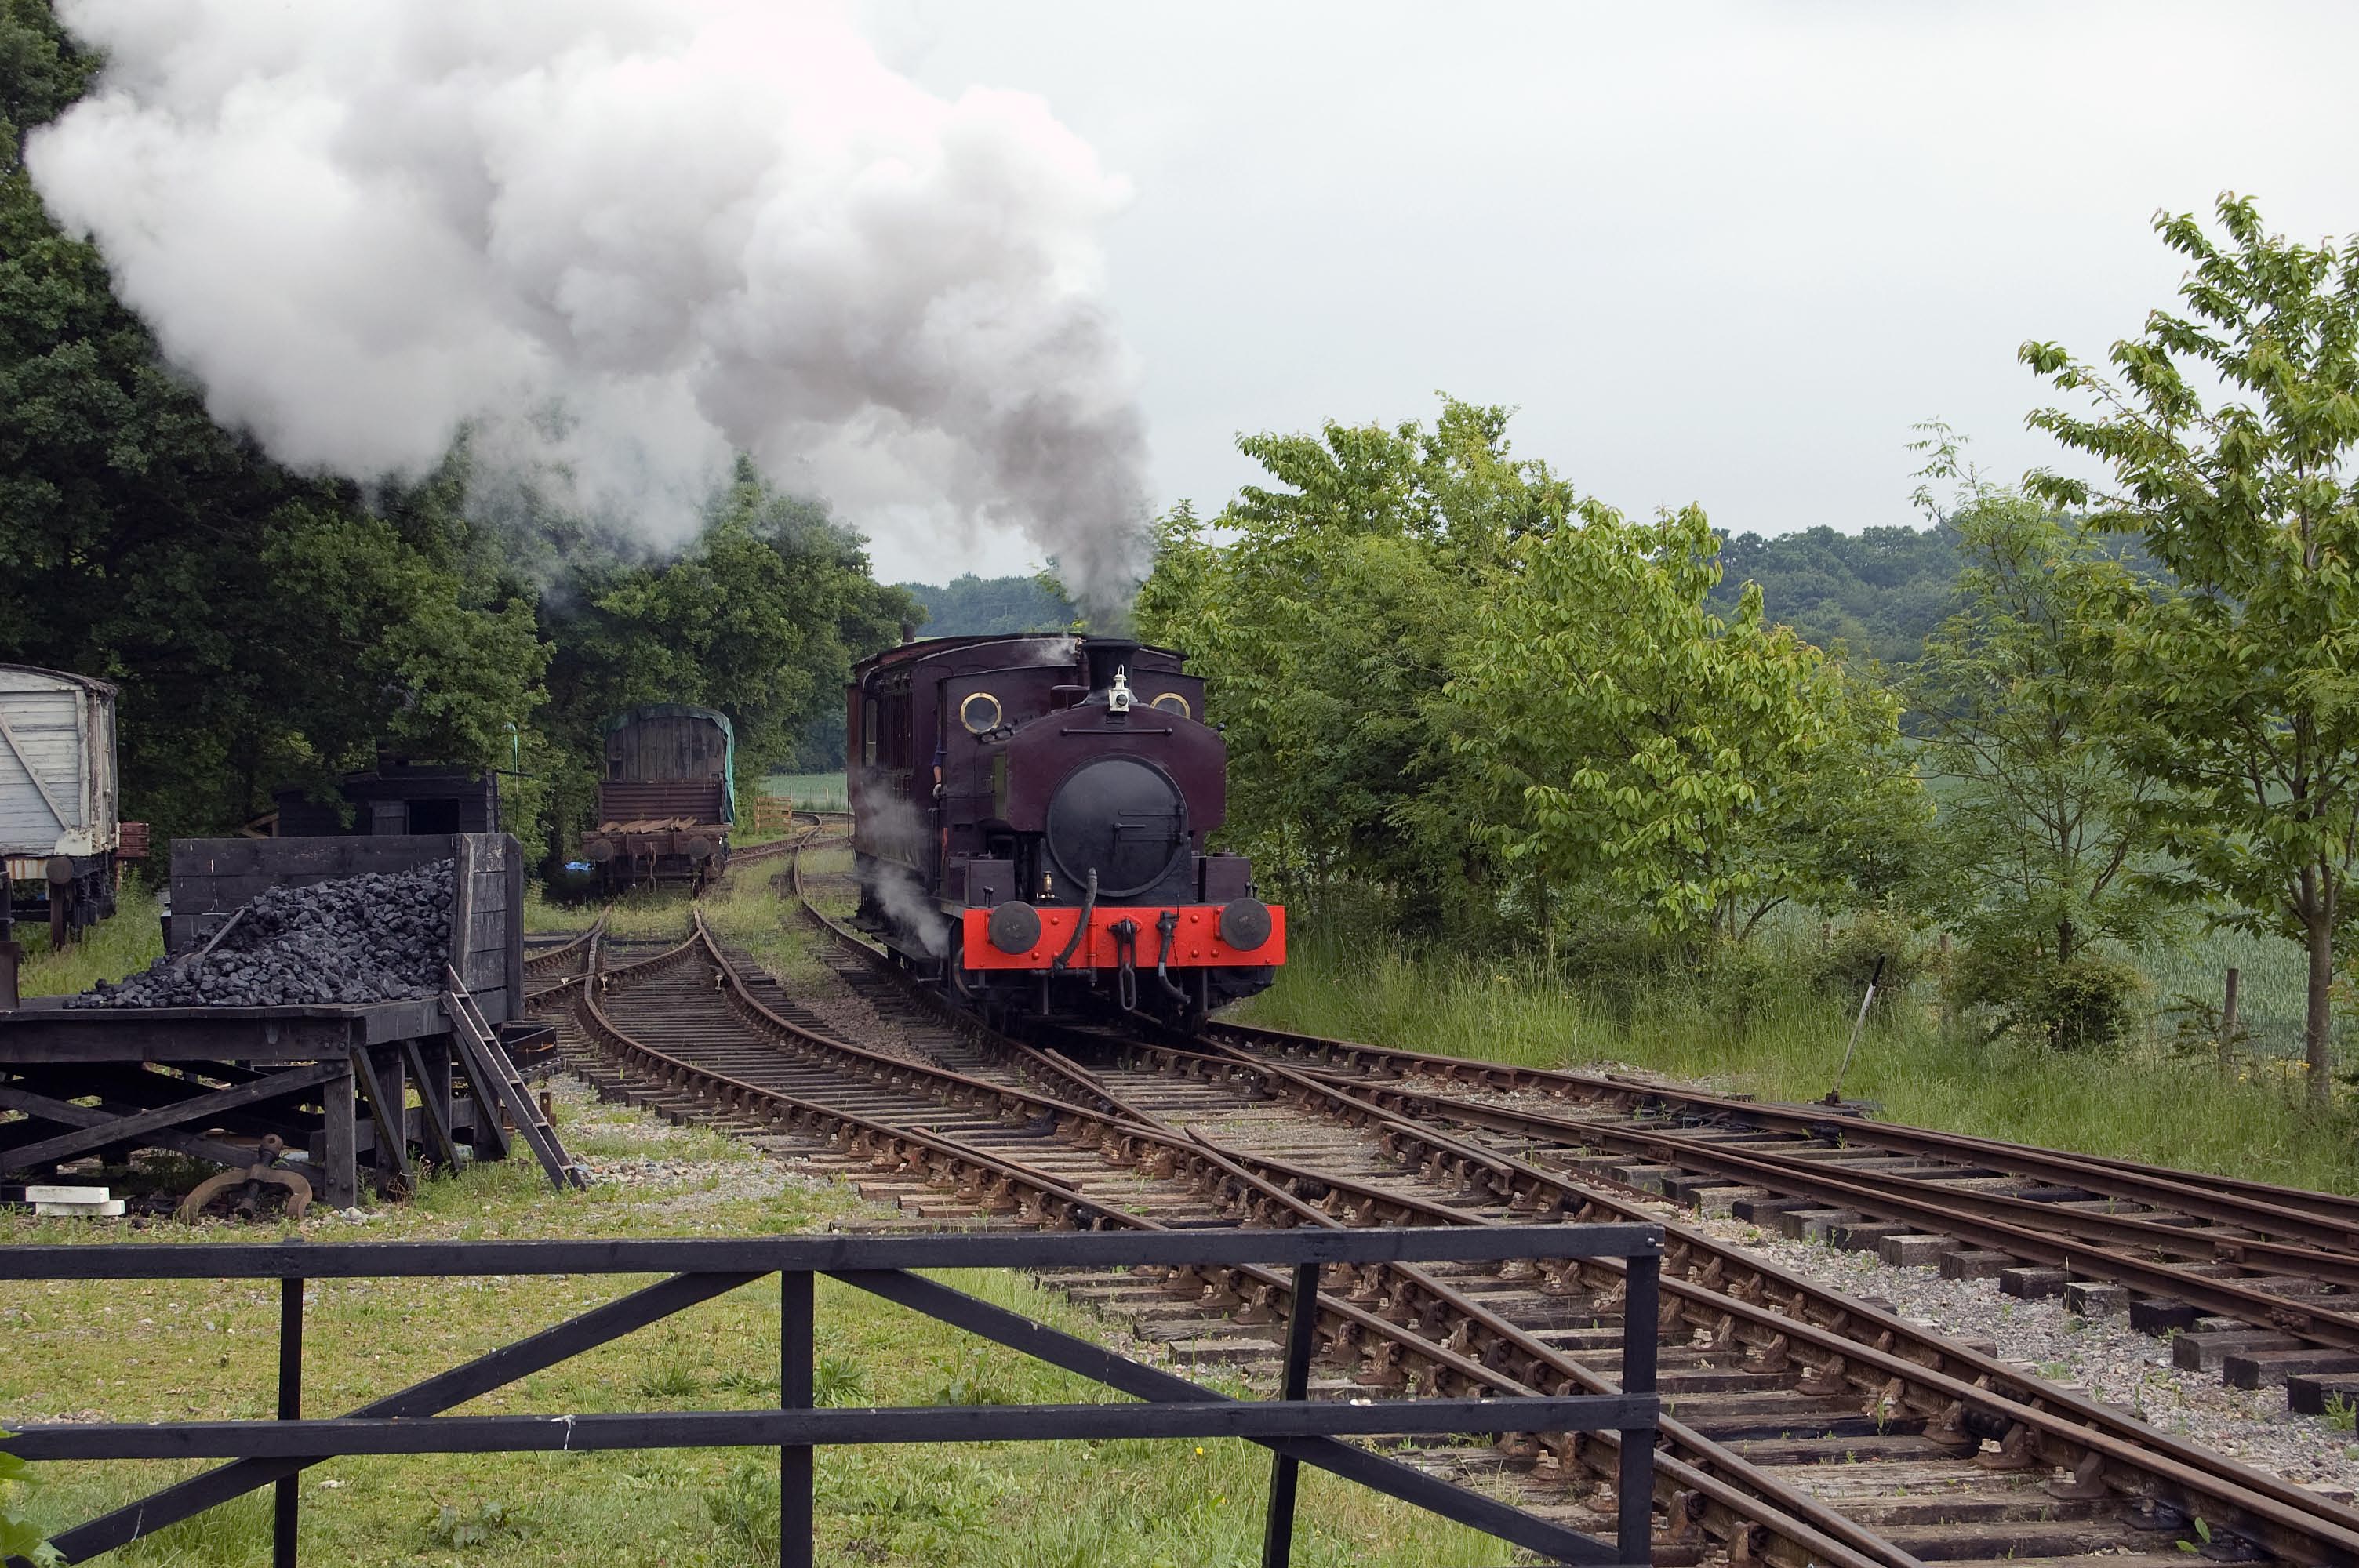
(2103, 1357)
(353, 939)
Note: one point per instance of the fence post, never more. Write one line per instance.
(1301, 1332)
(2228, 1021)
(1641, 1326)
(795, 1320)
(287, 1494)
(1947, 1017)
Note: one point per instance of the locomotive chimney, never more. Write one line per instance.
(1106, 655)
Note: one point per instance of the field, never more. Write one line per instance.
(823, 792)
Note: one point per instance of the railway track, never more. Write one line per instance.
(1805, 1425)
(2257, 1282)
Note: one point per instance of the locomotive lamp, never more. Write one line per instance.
(1244, 924)
(1118, 696)
(1015, 927)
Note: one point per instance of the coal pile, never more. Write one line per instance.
(356, 939)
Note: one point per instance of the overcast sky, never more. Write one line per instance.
(1718, 253)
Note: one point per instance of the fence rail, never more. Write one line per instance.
(1297, 1429)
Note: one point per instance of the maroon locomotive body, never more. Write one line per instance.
(1030, 816)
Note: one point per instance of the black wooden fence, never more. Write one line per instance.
(1297, 1429)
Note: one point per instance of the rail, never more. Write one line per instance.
(1297, 1429)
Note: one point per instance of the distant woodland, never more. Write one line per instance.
(971, 606)
(1875, 594)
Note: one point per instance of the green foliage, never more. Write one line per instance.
(2046, 839)
(744, 1509)
(2198, 1029)
(1629, 745)
(19, 1537)
(1323, 631)
(2087, 1001)
(1874, 594)
(1445, 676)
(969, 605)
(491, 1524)
(975, 1378)
(2238, 690)
(1849, 958)
(760, 617)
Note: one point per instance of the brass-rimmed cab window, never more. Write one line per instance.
(868, 732)
(980, 712)
(1172, 702)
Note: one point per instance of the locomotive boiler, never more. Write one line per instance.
(1030, 816)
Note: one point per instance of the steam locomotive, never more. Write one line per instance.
(1029, 823)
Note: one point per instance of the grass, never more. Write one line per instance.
(817, 792)
(754, 908)
(2272, 986)
(116, 948)
(2139, 1102)
(166, 1350)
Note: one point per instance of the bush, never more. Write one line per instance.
(1842, 967)
(2085, 1004)
(1743, 980)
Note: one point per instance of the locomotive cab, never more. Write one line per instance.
(1029, 825)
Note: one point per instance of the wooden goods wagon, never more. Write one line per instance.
(668, 798)
(58, 809)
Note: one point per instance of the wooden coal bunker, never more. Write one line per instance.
(212, 1083)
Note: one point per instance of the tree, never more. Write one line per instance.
(760, 618)
(1324, 626)
(2047, 832)
(1631, 745)
(2242, 689)
(1876, 594)
(969, 605)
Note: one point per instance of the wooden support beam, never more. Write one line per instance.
(69, 1115)
(382, 1084)
(130, 1129)
(433, 1098)
(340, 1164)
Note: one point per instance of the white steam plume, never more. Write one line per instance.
(617, 238)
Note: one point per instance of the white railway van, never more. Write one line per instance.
(57, 808)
